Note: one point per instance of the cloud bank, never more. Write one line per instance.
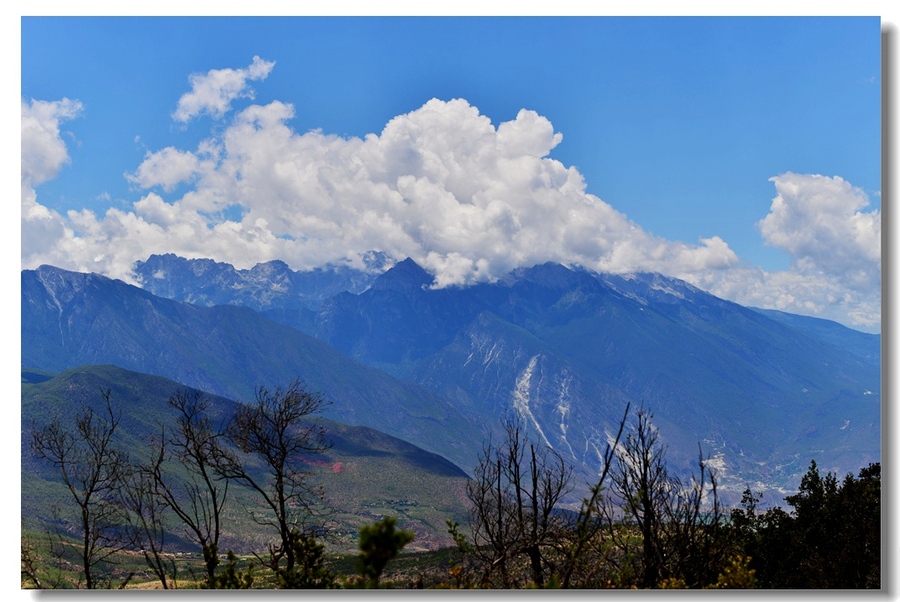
(464, 198)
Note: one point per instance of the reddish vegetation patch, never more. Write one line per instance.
(336, 467)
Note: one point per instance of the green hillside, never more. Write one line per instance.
(366, 474)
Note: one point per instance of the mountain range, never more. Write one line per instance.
(562, 349)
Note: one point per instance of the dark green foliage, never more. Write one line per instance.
(210, 562)
(458, 537)
(310, 571)
(232, 578)
(379, 543)
(832, 539)
(461, 573)
(768, 539)
(860, 532)
(837, 527)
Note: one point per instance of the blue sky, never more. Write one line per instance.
(676, 136)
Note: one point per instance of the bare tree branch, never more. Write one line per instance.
(92, 470)
(279, 429)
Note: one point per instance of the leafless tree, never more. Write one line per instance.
(680, 525)
(91, 468)
(197, 492)
(583, 555)
(144, 525)
(28, 561)
(514, 500)
(43, 559)
(642, 482)
(280, 430)
(699, 545)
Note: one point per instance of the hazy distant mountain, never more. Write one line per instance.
(266, 286)
(866, 346)
(71, 319)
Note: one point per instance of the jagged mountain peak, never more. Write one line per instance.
(276, 274)
(377, 261)
(64, 283)
(276, 265)
(405, 275)
(645, 287)
(271, 285)
(49, 273)
(61, 284)
(172, 269)
(548, 275)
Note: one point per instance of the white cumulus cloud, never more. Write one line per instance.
(835, 251)
(440, 184)
(43, 150)
(819, 221)
(166, 168)
(44, 153)
(212, 92)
